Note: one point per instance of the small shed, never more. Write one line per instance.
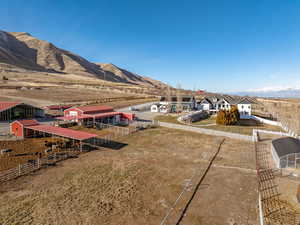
(286, 152)
(17, 127)
(155, 108)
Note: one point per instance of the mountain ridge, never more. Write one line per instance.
(21, 50)
(269, 92)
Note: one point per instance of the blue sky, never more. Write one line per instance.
(217, 45)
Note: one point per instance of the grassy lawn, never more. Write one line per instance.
(209, 120)
(167, 118)
(245, 127)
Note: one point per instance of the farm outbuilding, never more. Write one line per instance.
(286, 152)
(91, 114)
(17, 127)
(18, 110)
(31, 128)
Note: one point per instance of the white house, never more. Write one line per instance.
(216, 103)
(205, 104)
(224, 103)
(244, 107)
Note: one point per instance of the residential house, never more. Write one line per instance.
(188, 103)
(216, 103)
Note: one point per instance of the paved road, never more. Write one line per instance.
(206, 131)
(143, 115)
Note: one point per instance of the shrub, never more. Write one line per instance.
(221, 117)
(231, 117)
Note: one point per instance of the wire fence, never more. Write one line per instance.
(272, 210)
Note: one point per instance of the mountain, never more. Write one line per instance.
(273, 92)
(20, 50)
(122, 75)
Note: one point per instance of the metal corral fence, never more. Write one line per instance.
(33, 165)
(256, 132)
(272, 211)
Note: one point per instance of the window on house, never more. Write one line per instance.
(249, 107)
(242, 106)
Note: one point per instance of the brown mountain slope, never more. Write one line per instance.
(16, 53)
(21, 50)
(52, 58)
(123, 75)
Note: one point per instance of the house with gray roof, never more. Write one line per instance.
(225, 102)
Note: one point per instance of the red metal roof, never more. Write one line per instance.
(95, 108)
(103, 115)
(28, 122)
(58, 107)
(7, 105)
(63, 132)
(86, 116)
(90, 116)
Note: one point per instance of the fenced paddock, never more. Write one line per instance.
(34, 165)
(54, 157)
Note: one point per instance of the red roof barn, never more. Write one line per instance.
(18, 127)
(80, 110)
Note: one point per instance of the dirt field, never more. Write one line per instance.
(22, 146)
(139, 183)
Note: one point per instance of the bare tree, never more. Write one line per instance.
(179, 106)
(169, 98)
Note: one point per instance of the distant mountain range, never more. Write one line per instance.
(21, 51)
(272, 92)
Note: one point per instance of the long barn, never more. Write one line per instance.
(18, 110)
(31, 128)
(100, 113)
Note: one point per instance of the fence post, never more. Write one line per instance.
(261, 215)
(19, 169)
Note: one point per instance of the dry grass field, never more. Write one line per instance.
(59, 95)
(139, 183)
